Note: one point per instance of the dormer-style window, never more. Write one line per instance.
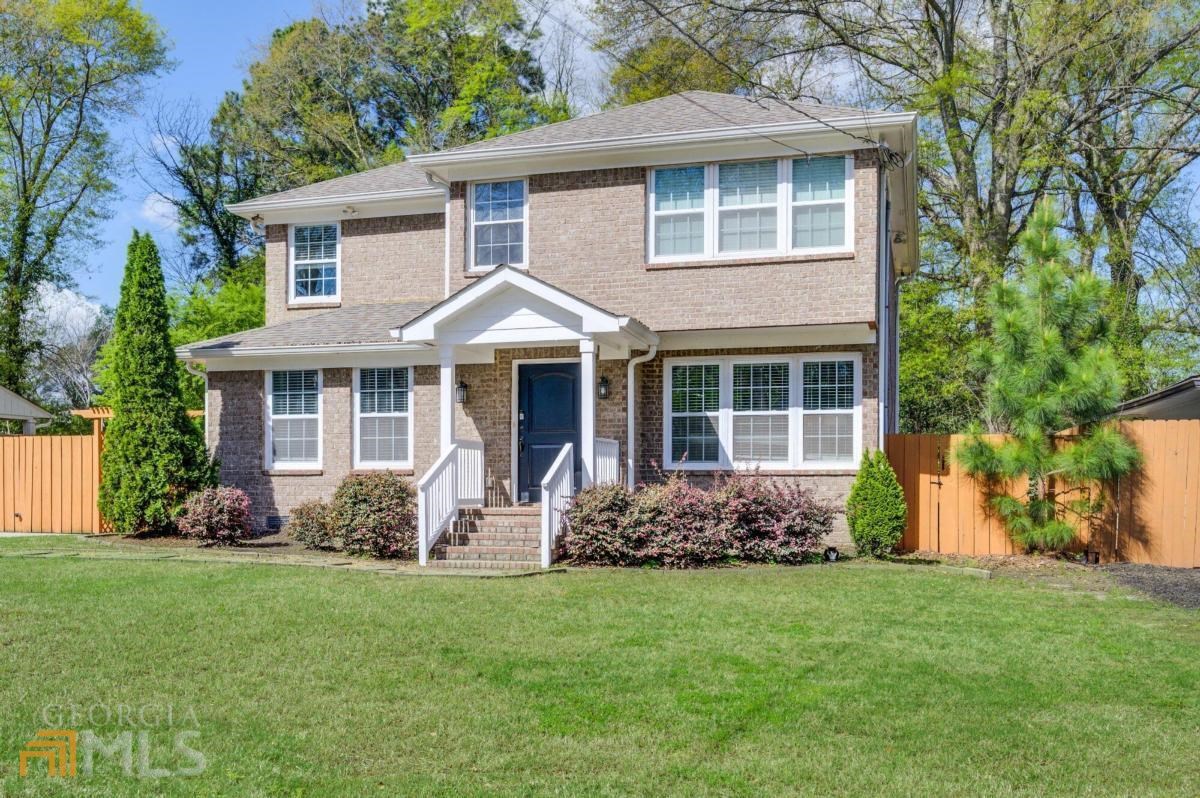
(499, 224)
(314, 263)
(743, 209)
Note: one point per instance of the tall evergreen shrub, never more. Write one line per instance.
(154, 455)
(876, 511)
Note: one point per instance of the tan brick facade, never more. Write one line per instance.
(384, 259)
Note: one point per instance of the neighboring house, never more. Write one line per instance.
(14, 407)
(1178, 401)
(464, 315)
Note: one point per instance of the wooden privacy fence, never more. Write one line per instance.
(1151, 516)
(48, 483)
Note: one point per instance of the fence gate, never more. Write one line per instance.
(48, 483)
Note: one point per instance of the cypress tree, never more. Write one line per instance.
(1050, 368)
(154, 456)
(875, 510)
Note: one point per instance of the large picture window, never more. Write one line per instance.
(792, 411)
(293, 419)
(315, 263)
(499, 223)
(743, 208)
(383, 418)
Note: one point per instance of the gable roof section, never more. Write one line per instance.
(13, 405)
(398, 181)
(356, 327)
(423, 328)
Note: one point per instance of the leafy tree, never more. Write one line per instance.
(67, 69)
(154, 455)
(937, 391)
(1049, 368)
(875, 510)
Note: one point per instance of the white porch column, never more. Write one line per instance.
(587, 399)
(446, 396)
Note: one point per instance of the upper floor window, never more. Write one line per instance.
(746, 208)
(315, 263)
(499, 224)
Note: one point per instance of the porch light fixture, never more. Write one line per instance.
(602, 388)
(460, 392)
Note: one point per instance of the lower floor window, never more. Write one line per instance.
(294, 418)
(780, 411)
(383, 398)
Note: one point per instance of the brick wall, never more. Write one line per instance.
(587, 235)
(384, 259)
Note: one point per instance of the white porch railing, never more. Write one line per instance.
(454, 481)
(608, 461)
(557, 489)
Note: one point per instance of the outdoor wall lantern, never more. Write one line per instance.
(602, 388)
(460, 393)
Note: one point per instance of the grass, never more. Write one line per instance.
(849, 680)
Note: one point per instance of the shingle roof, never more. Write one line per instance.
(402, 176)
(356, 324)
(686, 112)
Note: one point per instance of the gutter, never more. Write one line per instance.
(186, 354)
(630, 417)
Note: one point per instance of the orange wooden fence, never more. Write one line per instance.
(48, 483)
(1150, 516)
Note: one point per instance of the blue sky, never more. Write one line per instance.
(211, 43)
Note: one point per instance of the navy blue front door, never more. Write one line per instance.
(547, 418)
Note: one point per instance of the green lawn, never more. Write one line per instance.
(849, 680)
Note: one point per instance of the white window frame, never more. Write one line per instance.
(291, 289)
(357, 413)
(783, 225)
(796, 413)
(782, 182)
(470, 203)
(269, 416)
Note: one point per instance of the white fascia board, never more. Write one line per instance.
(801, 335)
(426, 357)
(366, 206)
(199, 354)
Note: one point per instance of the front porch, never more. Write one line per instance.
(533, 405)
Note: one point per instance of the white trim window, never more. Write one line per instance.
(293, 419)
(383, 419)
(739, 209)
(499, 229)
(763, 411)
(314, 263)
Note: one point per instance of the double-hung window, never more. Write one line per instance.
(777, 411)
(293, 419)
(499, 224)
(315, 263)
(383, 418)
(741, 209)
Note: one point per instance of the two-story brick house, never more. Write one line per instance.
(709, 277)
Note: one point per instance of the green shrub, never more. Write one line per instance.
(309, 525)
(154, 455)
(375, 514)
(216, 516)
(876, 511)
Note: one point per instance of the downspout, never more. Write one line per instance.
(630, 413)
(445, 187)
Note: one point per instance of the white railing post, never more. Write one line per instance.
(454, 481)
(558, 487)
(587, 402)
(422, 528)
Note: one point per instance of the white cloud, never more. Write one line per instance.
(58, 314)
(158, 211)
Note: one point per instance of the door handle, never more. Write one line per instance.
(521, 445)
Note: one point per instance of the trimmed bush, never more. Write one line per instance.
(309, 525)
(876, 511)
(675, 524)
(375, 514)
(216, 516)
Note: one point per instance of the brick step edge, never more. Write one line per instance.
(527, 551)
(514, 565)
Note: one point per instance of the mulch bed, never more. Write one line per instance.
(274, 543)
(1179, 586)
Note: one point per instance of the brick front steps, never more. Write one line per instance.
(492, 537)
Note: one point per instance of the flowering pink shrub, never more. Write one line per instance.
(309, 525)
(216, 516)
(375, 514)
(674, 524)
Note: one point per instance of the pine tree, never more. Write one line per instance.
(154, 455)
(1049, 368)
(876, 511)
